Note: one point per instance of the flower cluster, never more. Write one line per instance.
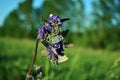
(52, 37)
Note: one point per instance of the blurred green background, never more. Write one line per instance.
(94, 31)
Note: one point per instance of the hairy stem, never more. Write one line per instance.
(33, 60)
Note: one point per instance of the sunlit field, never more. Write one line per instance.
(83, 63)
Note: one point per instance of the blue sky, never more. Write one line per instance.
(7, 6)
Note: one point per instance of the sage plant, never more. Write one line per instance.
(52, 37)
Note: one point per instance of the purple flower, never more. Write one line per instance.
(52, 56)
(40, 33)
(51, 53)
(52, 38)
(54, 19)
(60, 48)
(57, 46)
(47, 28)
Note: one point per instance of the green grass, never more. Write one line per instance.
(83, 63)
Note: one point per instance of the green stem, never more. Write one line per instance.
(33, 60)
